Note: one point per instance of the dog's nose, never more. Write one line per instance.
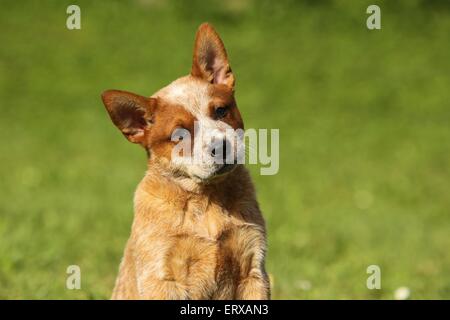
(221, 149)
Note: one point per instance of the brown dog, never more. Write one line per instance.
(198, 232)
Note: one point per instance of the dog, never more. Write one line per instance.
(198, 232)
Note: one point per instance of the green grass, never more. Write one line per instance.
(364, 127)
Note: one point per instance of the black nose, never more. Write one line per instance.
(221, 149)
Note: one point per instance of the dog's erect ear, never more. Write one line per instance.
(210, 57)
(130, 112)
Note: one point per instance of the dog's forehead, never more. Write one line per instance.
(191, 93)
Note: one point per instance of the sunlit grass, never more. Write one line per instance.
(364, 129)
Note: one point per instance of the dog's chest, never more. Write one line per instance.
(213, 251)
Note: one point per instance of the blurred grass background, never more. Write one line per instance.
(364, 127)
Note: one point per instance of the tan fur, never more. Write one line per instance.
(190, 239)
(207, 243)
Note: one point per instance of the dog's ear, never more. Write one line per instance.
(130, 112)
(210, 57)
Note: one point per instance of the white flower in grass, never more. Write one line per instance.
(402, 293)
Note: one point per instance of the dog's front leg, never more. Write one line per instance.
(254, 287)
(254, 282)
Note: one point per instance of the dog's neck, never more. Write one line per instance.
(159, 182)
(178, 182)
(230, 198)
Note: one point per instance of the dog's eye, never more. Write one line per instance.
(220, 112)
(179, 134)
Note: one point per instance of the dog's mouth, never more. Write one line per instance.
(220, 172)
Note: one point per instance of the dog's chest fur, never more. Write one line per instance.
(193, 245)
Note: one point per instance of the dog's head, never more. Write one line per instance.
(186, 125)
